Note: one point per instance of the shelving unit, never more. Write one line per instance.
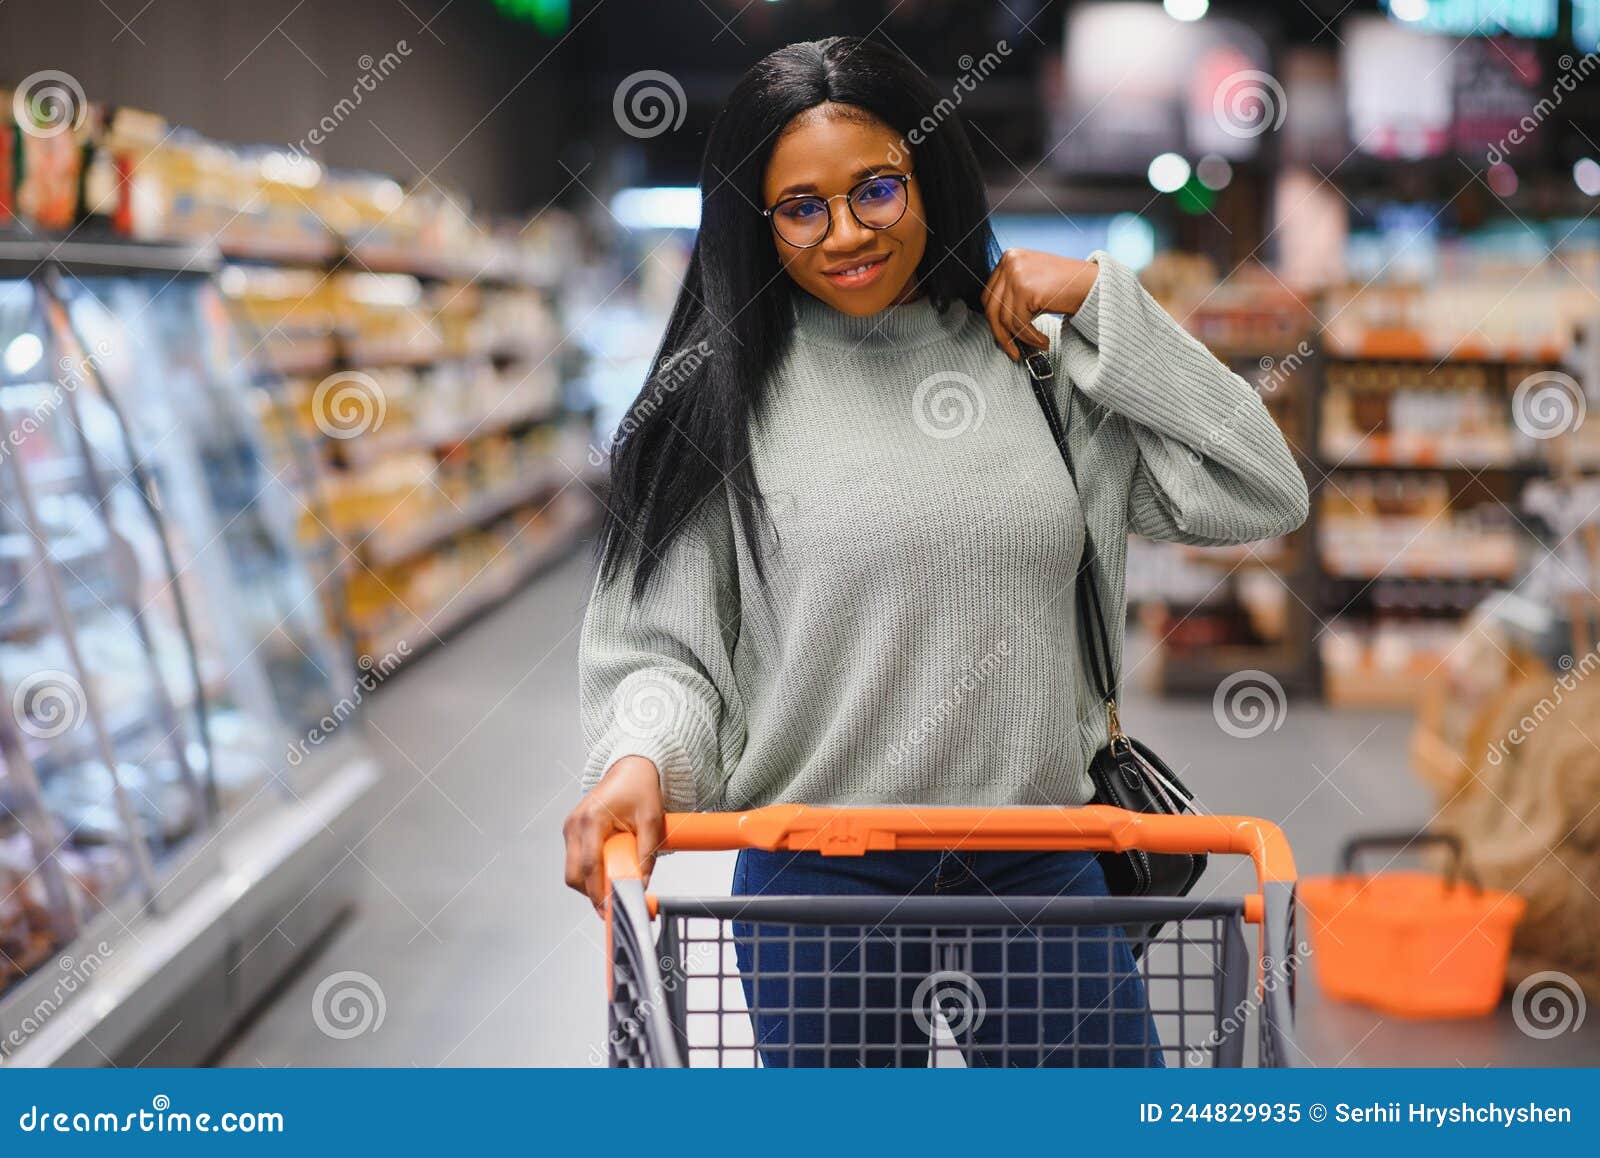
(192, 535)
(1403, 423)
(1222, 610)
(457, 379)
(1423, 463)
(160, 653)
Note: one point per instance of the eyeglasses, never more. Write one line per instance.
(877, 203)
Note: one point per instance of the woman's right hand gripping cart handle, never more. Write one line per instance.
(627, 799)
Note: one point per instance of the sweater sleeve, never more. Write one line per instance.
(656, 675)
(1213, 466)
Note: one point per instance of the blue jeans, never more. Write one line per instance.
(1019, 996)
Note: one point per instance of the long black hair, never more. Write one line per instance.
(688, 432)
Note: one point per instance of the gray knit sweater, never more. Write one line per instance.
(916, 642)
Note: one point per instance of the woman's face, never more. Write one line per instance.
(855, 269)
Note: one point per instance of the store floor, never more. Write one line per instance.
(483, 957)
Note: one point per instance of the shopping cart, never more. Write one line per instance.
(944, 979)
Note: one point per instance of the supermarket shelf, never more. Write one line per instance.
(1412, 346)
(1198, 671)
(363, 451)
(165, 958)
(484, 593)
(22, 256)
(332, 253)
(310, 250)
(491, 268)
(384, 550)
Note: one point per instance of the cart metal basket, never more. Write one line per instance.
(942, 980)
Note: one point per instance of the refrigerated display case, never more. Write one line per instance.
(162, 654)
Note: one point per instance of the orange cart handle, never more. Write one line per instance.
(853, 831)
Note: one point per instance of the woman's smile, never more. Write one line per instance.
(859, 274)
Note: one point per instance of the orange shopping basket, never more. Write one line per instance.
(984, 980)
(1411, 943)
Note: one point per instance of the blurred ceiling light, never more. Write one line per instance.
(1409, 10)
(1186, 9)
(1502, 179)
(1587, 174)
(1168, 172)
(23, 354)
(1214, 171)
(662, 207)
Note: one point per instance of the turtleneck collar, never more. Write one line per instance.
(894, 327)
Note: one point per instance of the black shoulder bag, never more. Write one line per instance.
(1126, 773)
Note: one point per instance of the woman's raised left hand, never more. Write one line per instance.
(1026, 283)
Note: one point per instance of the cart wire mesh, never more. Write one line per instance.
(943, 981)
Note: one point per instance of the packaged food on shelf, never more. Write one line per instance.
(1403, 524)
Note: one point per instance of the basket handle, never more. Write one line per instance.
(1097, 827)
(1460, 868)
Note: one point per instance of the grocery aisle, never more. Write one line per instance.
(483, 957)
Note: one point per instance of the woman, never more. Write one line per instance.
(838, 561)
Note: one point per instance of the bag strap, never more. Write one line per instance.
(1092, 629)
